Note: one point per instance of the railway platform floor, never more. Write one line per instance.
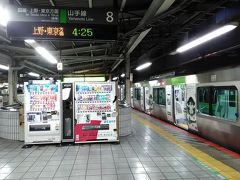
(155, 150)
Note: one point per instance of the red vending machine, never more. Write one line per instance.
(96, 116)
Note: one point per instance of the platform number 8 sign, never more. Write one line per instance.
(109, 17)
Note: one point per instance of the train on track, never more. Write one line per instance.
(206, 104)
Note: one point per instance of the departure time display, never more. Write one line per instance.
(83, 32)
(71, 31)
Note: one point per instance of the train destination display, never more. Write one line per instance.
(62, 23)
(51, 31)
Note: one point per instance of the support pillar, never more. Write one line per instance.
(125, 117)
(128, 83)
(10, 85)
(110, 77)
(15, 82)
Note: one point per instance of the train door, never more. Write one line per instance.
(142, 100)
(191, 107)
(180, 106)
(169, 103)
(146, 99)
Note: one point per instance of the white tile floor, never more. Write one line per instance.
(142, 155)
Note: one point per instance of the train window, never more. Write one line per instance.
(232, 98)
(137, 93)
(162, 96)
(159, 96)
(155, 95)
(225, 106)
(214, 101)
(218, 101)
(203, 95)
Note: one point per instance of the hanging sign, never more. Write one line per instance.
(62, 23)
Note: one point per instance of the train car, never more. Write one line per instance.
(206, 104)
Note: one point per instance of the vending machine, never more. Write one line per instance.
(42, 112)
(96, 116)
(67, 112)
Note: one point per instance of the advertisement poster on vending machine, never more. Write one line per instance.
(42, 112)
(95, 112)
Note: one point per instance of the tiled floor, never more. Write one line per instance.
(142, 155)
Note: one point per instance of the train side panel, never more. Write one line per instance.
(137, 104)
(218, 120)
(218, 131)
(159, 111)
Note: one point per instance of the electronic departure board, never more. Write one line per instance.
(62, 23)
(51, 31)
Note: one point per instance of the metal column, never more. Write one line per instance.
(128, 85)
(10, 85)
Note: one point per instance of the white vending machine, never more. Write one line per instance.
(96, 116)
(42, 112)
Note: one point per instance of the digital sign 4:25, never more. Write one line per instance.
(82, 32)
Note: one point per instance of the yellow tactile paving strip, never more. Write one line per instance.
(213, 163)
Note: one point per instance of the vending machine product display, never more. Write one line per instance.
(42, 112)
(96, 117)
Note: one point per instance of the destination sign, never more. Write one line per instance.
(162, 76)
(34, 14)
(61, 31)
(64, 15)
(52, 23)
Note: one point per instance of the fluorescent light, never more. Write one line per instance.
(33, 74)
(44, 53)
(4, 16)
(60, 66)
(85, 79)
(4, 67)
(122, 75)
(143, 66)
(115, 78)
(30, 41)
(207, 37)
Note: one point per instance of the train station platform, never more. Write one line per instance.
(154, 150)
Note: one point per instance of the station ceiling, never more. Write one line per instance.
(148, 30)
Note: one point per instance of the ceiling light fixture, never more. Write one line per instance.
(30, 41)
(33, 74)
(122, 75)
(4, 67)
(44, 53)
(218, 32)
(115, 78)
(144, 66)
(4, 16)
